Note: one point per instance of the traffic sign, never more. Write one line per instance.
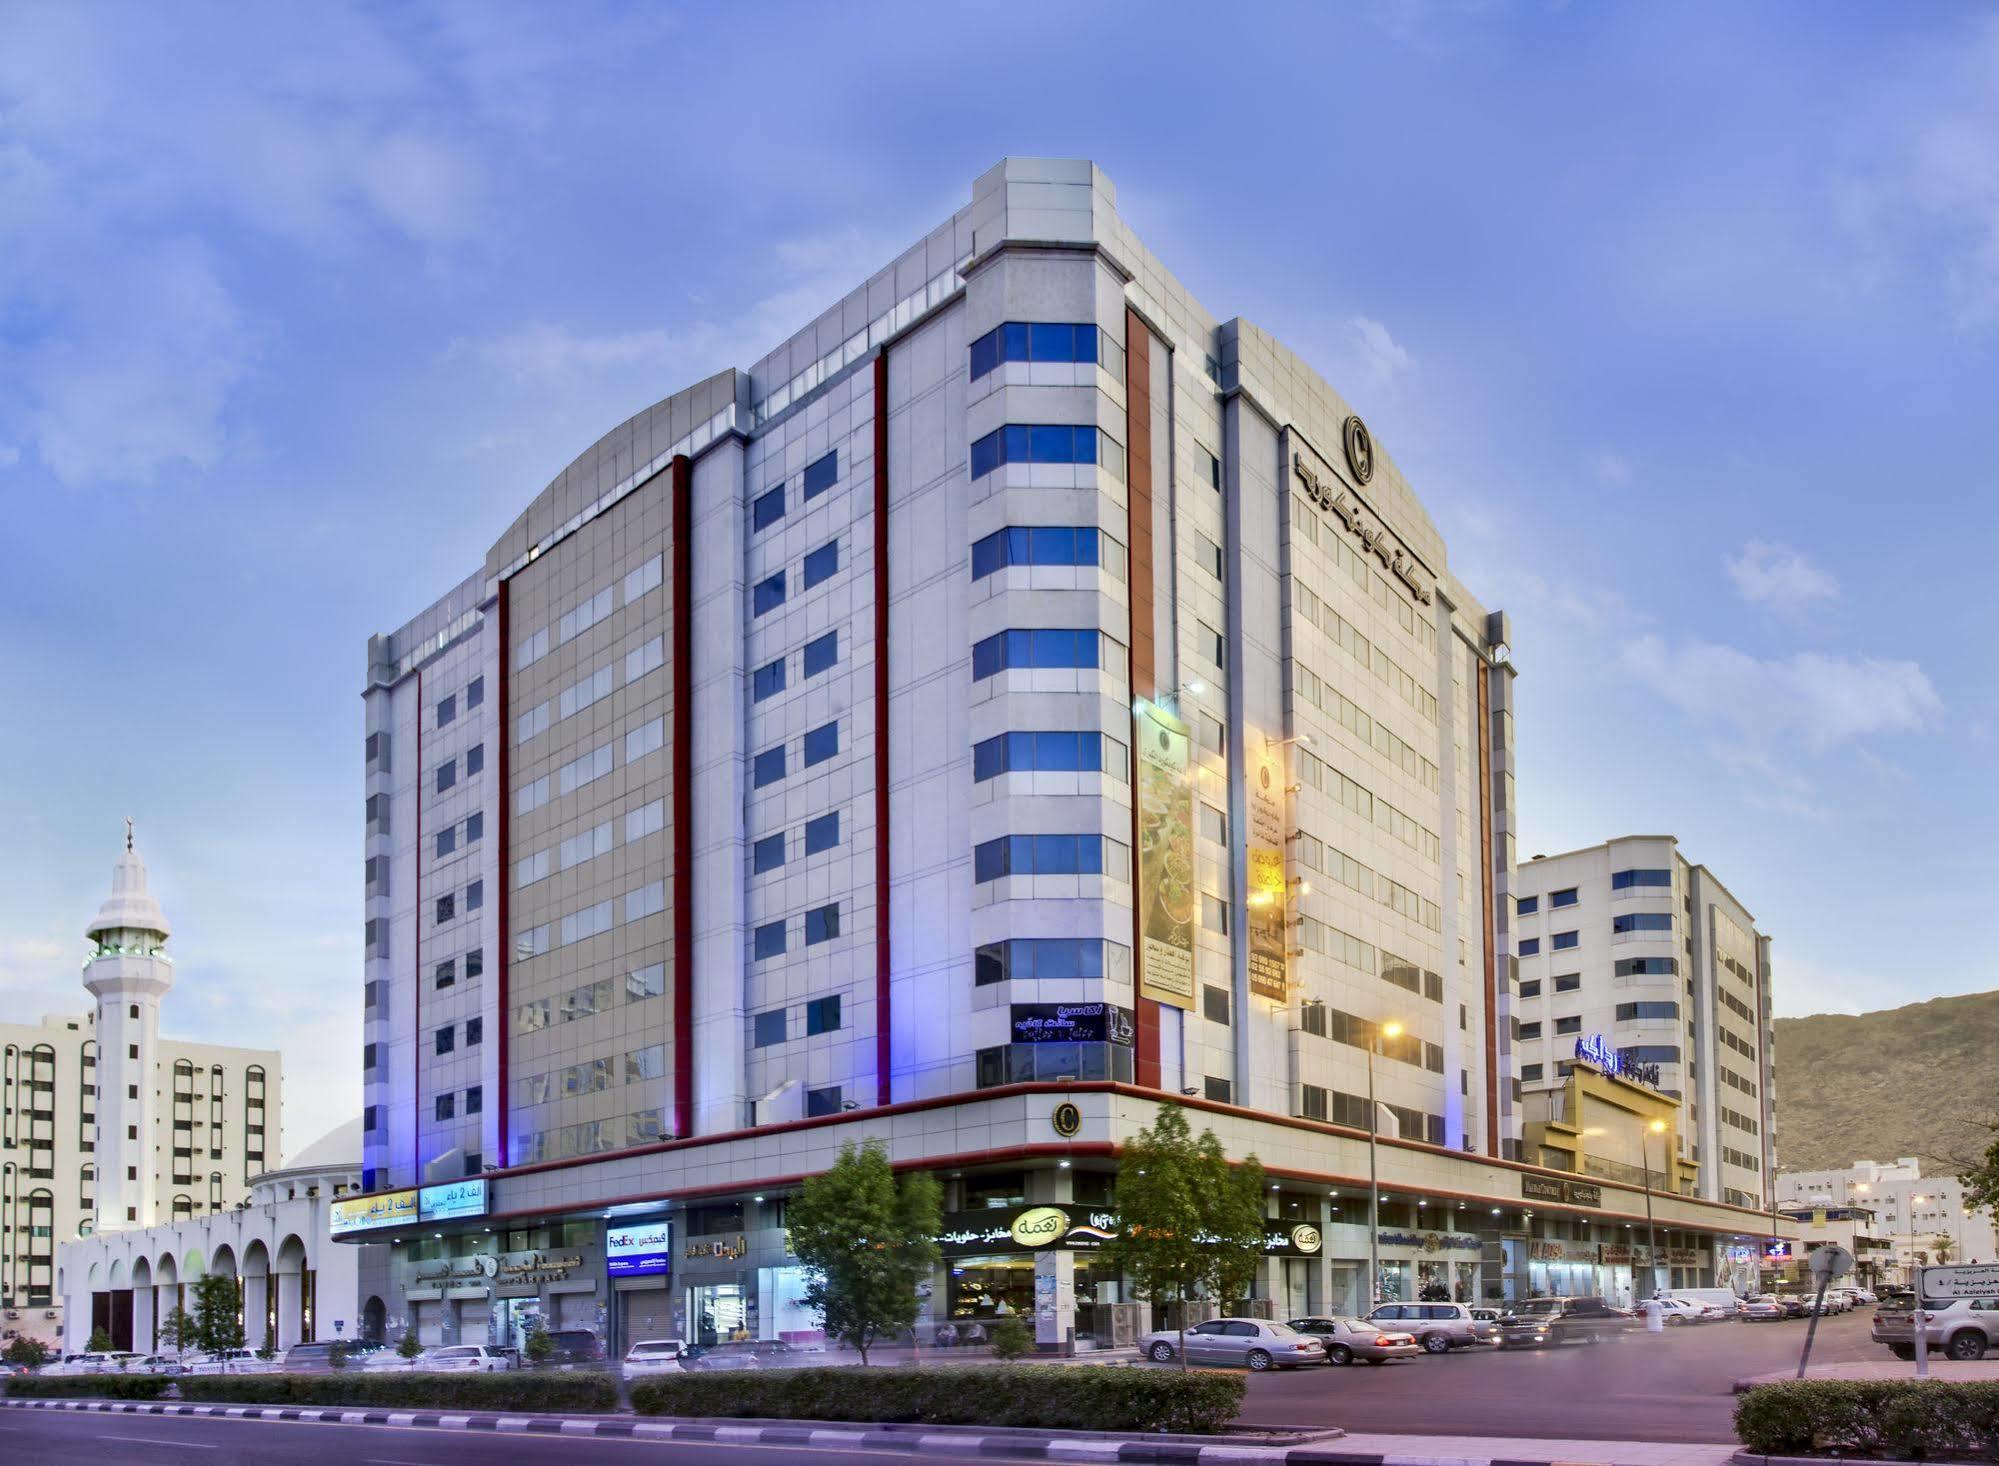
(1975, 1281)
(1830, 1261)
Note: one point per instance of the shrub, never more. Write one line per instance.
(1051, 1397)
(1905, 1418)
(580, 1390)
(1011, 1338)
(87, 1386)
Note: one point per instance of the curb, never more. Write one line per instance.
(911, 1440)
(1751, 1458)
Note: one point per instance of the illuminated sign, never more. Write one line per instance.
(452, 1199)
(1048, 1023)
(641, 1251)
(369, 1213)
(1596, 1050)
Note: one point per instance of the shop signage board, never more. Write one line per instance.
(641, 1251)
(726, 1248)
(1597, 1050)
(1565, 1193)
(1168, 898)
(1269, 933)
(1431, 1241)
(1973, 1281)
(452, 1199)
(1056, 1225)
(369, 1213)
(1051, 1023)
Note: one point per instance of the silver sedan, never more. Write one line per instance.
(1256, 1343)
(1348, 1339)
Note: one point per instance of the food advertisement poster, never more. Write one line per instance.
(1268, 909)
(1168, 899)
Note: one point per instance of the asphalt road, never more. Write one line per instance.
(56, 1438)
(1674, 1386)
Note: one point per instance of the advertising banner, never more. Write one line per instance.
(1052, 1023)
(1168, 900)
(644, 1250)
(1268, 908)
(452, 1199)
(366, 1213)
(1062, 1225)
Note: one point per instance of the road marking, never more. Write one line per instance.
(154, 1440)
(393, 1461)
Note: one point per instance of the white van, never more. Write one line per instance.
(1725, 1299)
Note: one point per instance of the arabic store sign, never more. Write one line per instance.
(1431, 1241)
(452, 1199)
(1051, 1023)
(1045, 1228)
(1596, 1050)
(368, 1213)
(636, 1252)
(1567, 1193)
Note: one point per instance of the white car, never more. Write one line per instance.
(229, 1361)
(653, 1356)
(1685, 1310)
(464, 1359)
(107, 1361)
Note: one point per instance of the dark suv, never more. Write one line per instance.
(1540, 1321)
(576, 1349)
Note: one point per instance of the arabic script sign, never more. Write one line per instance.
(366, 1213)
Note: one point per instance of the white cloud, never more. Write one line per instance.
(1809, 699)
(1379, 356)
(1780, 579)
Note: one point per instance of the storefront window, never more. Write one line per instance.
(1394, 1280)
(718, 1313)
(784, 1314)
(1004, 1188)
(983, 1289)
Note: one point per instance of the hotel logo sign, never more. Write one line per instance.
(1359, 444)
(1375, 538)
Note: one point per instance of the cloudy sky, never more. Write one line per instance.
(1684, 321)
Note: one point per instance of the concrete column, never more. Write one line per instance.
(1054, 1298)
(256, 1307)
(289, 1302)
(142, 1320)
(164, 1297)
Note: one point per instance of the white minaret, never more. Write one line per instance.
(128, 972)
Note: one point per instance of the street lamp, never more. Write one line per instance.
(1914, 1202)
(1390, 1029)
(1657, 1127)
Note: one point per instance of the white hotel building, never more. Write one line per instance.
(771, 785)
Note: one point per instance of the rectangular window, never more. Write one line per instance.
(821, 565)
(533, 722)
(1214, 824)
(1219, 1090)
(1531, 1073)
(1649, 967)
(768, 594)
(585, 616)
(1214, 1003)
(530, 797)
(644, 579)
(531, 650)
(768, 1028)
(447, 775)
(1530, 946)
(475, 1101)
(822, 833)
(1040, 443)
(1059, 544)
(1208, 555)
(769, 940)
(447, 840)
(589, 922)
(475, 759)
(767, 680)
(820, 745)
(447, 711)
(475, 825)
(641, 660)
(1070, 753)
(475, 1031)
(767, 854)
(475, 963)
(1529, 1031)
(1568, 982)
(1527, 905)
(649, 819)
(1214, 471)
(1627, 880)
(1569, 1025)
(822, 1015)
(1563, 898)
(592, 766)
(1051, 648)
(446, 1106)
(822, 924)
(590, 690)
(447, 908)
(644, 740)
(1208, 643)
(1531, 988)
(647, 900)
(446, 972)
(768, 509)
(1563, 941)
(444, 1041)
(1642, 921)
(1214, 913)
(586, 846)
(820, 653)
(475, 895)
(767, 767)
(824, 1101)
(1021, 341)
(1045, 855)
(1641, 1012)
(821, 474)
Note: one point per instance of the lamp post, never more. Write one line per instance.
(1909, 1269)
(1657, 1127)
(1391, 1029)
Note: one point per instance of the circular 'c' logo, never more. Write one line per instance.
(1067, 1119)
(1040, 1226)
(1305, 1238)
(1360, 448)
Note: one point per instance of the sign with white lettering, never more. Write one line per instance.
(645, 1250)
(452, 1199)
(1596, 1050)
(367, 1213)
(1050, 1023)
(1974, 1281)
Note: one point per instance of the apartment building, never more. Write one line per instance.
(107, 1125)
(1918, 1220)
(1634, 960)
(1019, 699)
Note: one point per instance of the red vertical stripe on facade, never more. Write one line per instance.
(1138, 543)
(416, 957)
(503, 948)
(1481, 736)
(884, 1047)
(683, 796)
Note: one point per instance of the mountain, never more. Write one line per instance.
(1914, 1081)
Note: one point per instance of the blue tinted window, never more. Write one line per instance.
(1025, 443)
(1037, 341)
(447, 710)
(1563, 941)
(769, 939)
(767, 680)
(768, 508)
(1055, 752)
(768, 767)
(823, 1101)
(821, 652)
(1527, 905)
(822, 1015)
(1625, 880)
(1058, 648)
(821, 475)
(1563, 898)
(1635, 1012)
(985, 455)
(769, 1028)
(475, 825)
(1018, 855)
(1013, 338)
(1648, 966)
(822, 833)
(767, 854)
(1034, 545)
(1653, 1054)
(768, 595)
(1642, 921)
(1529, 946)
(475, 759)
(821, 563)
(447, 775)
(985, 354)
(822, 924)
(821, 744)
(447, 839)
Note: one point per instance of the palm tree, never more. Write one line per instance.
(1942, 1248)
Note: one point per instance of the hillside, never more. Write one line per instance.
(1914, 1081)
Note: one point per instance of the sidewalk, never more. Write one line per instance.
(1321, 1448)
(1940, 1368)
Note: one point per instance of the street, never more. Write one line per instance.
(1674, 1386)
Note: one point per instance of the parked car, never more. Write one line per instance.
(575, 1349)
(1956, 1328)
(742, 1354)
(313, 1358)
(465, 1359)
(159, 1364)
(228, 1361)
(1860, 1296)
(1726, 1302)
(1680, 1311)
(1438, 1327)
(376, 1360)
(1257, 1343)
(104, 1361)
(1762, 1309)
(1348, 1339)
(653, 1356)
(1488, 1315)
(1540, 1321)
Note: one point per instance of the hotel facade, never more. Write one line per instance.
(1020, 699)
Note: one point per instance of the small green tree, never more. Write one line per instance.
(218, 1313)
(1941, 1248)
(867, 1239)
(100, 1341)
(538, 1346)
(26, 1353)
(1010, 1338)
(1189, 1220)
(409, 1345)
(177, 1329)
